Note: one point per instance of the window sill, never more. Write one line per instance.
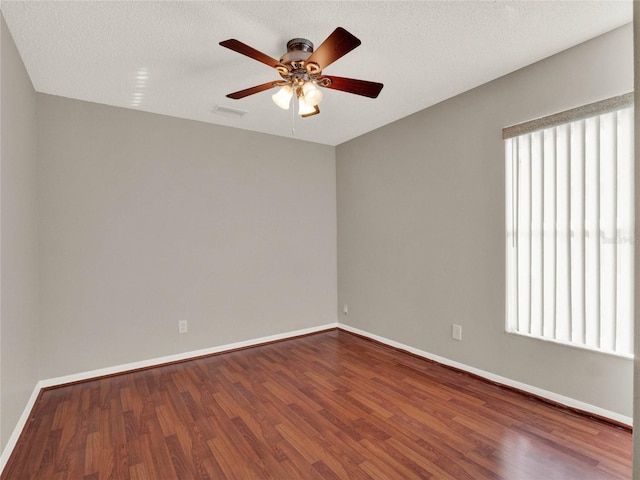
(573, 345)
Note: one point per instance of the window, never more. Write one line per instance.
(570, 215)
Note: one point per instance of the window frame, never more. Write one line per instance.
(556, 120)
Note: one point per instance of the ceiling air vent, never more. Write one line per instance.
(228, 111)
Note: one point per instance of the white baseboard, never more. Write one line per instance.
(76, 377)
(554, 397)
(22, 421)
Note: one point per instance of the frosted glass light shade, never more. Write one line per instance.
(304, 108)
(312, 94)
(282, 97)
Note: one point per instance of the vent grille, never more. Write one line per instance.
(228, 111)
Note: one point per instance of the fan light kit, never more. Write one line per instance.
(301, 71)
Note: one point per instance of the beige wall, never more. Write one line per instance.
(147, 219)
(421, 241)
(18, 238)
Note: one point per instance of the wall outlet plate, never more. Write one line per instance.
(456, 332)
(183, 326)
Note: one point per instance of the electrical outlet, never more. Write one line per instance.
(345, 309)
(456, 332)
(183, 327)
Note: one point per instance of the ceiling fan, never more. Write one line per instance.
(301, 71)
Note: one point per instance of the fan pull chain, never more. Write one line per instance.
(293, 116)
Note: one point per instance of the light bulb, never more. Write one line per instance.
(312, 94)
(283, 97)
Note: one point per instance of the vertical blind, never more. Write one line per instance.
(570, 216)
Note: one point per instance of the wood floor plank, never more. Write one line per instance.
(326, 406)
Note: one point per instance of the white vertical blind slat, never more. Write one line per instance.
(625, 233)
(537, 204)
(577, 232)
(524, 233)
(510, 223)
(563, 252)
(607, 231)
(549, 244)
(592, 235)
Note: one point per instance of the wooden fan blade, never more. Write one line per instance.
(244, 49)
(351, 85)
(250, 91)
(338, 44)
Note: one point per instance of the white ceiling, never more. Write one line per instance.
(423, 52)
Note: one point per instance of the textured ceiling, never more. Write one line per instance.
(164, 57)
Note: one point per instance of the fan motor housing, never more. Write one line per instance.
(298, 50)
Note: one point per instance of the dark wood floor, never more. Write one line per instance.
(326, 406)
